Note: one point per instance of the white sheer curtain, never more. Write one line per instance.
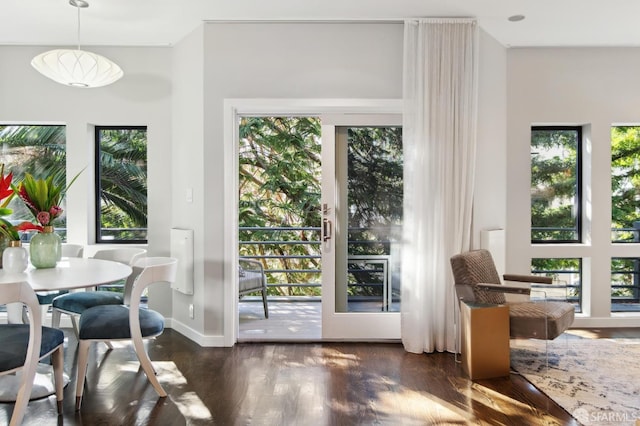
(439, 138)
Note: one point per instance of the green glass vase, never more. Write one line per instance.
(45, 248)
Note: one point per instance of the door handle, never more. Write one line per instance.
(327, 229)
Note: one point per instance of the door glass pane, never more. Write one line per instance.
(279, 204)
(369, 168)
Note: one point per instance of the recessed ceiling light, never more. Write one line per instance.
(516, 18)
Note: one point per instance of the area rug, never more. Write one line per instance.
(596, 380)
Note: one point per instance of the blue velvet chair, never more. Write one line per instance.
(73, 304)
(121, 322)
(23, 345)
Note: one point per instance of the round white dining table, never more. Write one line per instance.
(68, 274)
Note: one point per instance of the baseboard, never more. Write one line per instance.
(191, 334)
(606, 322)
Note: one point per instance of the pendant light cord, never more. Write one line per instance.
(78, 7)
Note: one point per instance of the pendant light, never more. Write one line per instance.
(75, 67)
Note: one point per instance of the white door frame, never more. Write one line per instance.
(233, 110)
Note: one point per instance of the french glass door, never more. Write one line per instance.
(361, 210)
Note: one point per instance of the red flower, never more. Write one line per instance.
(24, 196)
(43, 196)
(28, 226)
(5, 184)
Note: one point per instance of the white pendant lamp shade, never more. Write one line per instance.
(77, 68)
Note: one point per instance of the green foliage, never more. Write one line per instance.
(375, 187)
(37, 150)
(623, 277)
(41, 151)
(280, 172)
(625, 180)
(553, 184)
(375, 200)
(279, 166)
(44, 196)
(123, 180)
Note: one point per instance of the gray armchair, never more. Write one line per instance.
(251, 279)
(477, 280)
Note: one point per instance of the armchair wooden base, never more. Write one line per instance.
(485, 340)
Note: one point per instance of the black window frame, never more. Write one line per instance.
(634, 287)
(98, 188)
(579, 147)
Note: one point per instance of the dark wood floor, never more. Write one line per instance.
(294, 384)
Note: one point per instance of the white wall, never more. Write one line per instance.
(281, 60)
(179, 94)
(188, 169)
(596, 87)
(295, 60)
(490, 196)
(141, 97)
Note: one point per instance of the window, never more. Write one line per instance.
(121, 184)
(567, 279)
(625, 184)
(625, 284)
(625, 215)
(556, 184)
(40, 151)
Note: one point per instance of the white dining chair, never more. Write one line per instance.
(72, 250)
(126, 322)
(23, 345)
(45, 298)
(73, 304)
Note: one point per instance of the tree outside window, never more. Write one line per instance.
(279, 199)
(121, 184)
(40, 151)
(625, 214)
(555, 184)
(625, 184)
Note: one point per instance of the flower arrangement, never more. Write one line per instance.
(42, 197)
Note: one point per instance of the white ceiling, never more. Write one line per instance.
(165, 22)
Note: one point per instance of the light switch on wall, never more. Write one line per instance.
(189, 195)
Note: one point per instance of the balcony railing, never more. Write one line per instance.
(283, 269)
(292, 260)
